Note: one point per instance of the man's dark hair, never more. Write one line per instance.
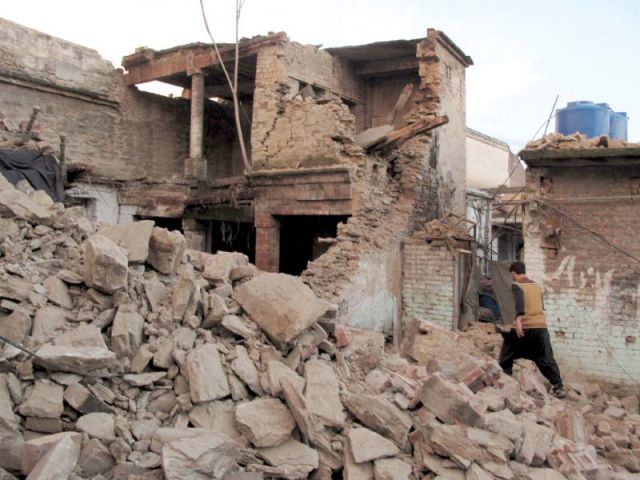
(518, 267)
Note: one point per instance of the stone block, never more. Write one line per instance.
(266, 422)
(280, 304)
(207, 378)
(106, 266)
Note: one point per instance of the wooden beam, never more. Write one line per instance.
(387, 67)
(182, 60)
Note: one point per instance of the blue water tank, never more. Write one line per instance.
(585, 117)
(618, 125)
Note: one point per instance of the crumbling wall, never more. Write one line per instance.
(591, 291)
(385, 213)
(290, 130)
(450, 87)
(119, 131)
(428, 283)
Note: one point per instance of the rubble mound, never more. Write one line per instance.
(558, 141)
(127, 356)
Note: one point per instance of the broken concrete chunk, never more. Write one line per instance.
(59, 461)
(276, 371)
(323, 393)
(166, 250)
(126, 333)
(282, 305)
(380, 415)
(266, 422)
(81, 399)
(246, 370)
(391, 469)
(133, 237)
(95, 458)
(82, 336)
(218, 267)
(237, 326)
(105, 265)
(183, 292)
(48, 322)
(14, 203)
(207, 378)
(57, 292)
(155, 292)
(87, 358)
(33, 450)
(15, 326)
(43, 425)
(353, 470)
(98, 425)
(144, 379)
(369, 445)
(294, 459)
(44, 400)
(8, 420)
(217, 310)
(448, 402)
(218, 416)
(206, 455)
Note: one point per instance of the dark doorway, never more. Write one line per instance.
(300, 239)
(169, 223)
(233, 237)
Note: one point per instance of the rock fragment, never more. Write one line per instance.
(105, 265)
(58, 463)
(367, 445)
(266, 422)
(166, 250)
(207, 378)
(280, 304)
(294, 459)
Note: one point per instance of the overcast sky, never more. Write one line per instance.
(525, 53)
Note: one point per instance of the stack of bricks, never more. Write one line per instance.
(428, 283)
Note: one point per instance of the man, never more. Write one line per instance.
(529, 337)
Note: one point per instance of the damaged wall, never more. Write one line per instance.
(119, 131)
(591, 291)
(386, 212)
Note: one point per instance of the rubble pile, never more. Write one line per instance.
(26, 135)
(558, 141)
(129, 356)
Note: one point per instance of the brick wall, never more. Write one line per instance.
(591, 292)
(428, 284)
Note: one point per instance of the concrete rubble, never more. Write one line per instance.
(141, 370)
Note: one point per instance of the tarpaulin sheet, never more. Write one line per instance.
(43, 172)
(502, 282)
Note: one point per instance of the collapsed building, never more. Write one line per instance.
(351, 148)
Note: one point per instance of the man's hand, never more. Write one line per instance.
(518, 327)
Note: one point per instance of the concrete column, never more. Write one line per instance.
(197, 126)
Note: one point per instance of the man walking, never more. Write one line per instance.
(529, 337)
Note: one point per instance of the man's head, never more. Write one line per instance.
(517, 270)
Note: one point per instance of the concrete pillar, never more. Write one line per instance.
(196, 167)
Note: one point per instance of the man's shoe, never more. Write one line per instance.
(558, 392)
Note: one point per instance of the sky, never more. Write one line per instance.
(525, 53)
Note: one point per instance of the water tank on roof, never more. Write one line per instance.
(591, 119)
(618, 125)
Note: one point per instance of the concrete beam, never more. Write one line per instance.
(388, 67)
